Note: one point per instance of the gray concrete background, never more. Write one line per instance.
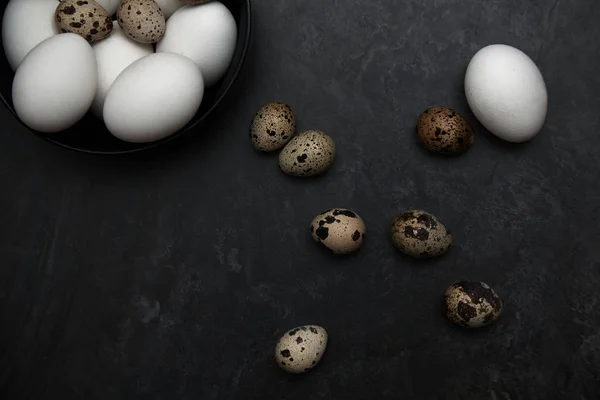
(172, 274)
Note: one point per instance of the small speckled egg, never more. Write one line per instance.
(420, 234)
(310, 153)
(340, 230)
(472, 304)
(85, 18)
(443, 130)
(272, 127)
(141, 20)
(300, 349)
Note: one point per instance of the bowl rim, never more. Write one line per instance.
(151, 145)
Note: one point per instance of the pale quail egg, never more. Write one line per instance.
(85, 18)
(443, 130)
(420, 234)
(141, 20)
(472, 304)
(272, 127)
(310, 153)
(340, 230)
(300, 349)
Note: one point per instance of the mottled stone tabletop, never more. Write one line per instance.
(170, 275)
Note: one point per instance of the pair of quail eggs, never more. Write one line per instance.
(309, 153)
(420, 234)
(416, 233)
(467, 303)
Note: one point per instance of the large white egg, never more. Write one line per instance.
(506, 92)
(153, 98)
(55, 84)
(109, 5)
(205, 33)
(25, 24)
(114, 54)
(168, 7)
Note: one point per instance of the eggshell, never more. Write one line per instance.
(94, 25)
(205, 33)
(153, 98)
(300, 349)
(340, 230)
(419, 234)
(25, 24)
(506, 92)
(168, 7)
(472, 304)
(55, 84)
(272, 127)
(444, 131)
(110, 5)
(114, 54)
(141, 20)
(309, 153)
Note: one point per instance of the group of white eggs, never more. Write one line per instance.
(142, 92)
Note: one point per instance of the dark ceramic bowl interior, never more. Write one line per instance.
(91, 136)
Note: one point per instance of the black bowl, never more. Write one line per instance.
(90, 135)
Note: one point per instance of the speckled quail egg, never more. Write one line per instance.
(85, 18)
(300, 349)
(141, 20)
(443, 130)
(472, 304)
(310, 153)
(272, 127)
(419, 234)
(340, 230)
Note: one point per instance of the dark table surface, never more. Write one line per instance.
(170, 275)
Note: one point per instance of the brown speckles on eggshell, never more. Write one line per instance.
(340, 230)
(301, 348)
(272, 127)
(472, 304)
(443, 130)
(141, 20)
(310, 153)
(419, 234)
(85, 18)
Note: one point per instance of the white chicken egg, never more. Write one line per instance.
(109, 5)
(168, 7)
(506, 92)
(24, 25)
(205, 33)
(55, 84)
(153, 98)
(114, 54)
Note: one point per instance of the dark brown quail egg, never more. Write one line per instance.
(419, 234)
(340, 230)
(472, 304)
(443, 130)
(300, 349)
(272, 127)
(309, 153)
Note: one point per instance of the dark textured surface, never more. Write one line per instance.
(171, 275)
